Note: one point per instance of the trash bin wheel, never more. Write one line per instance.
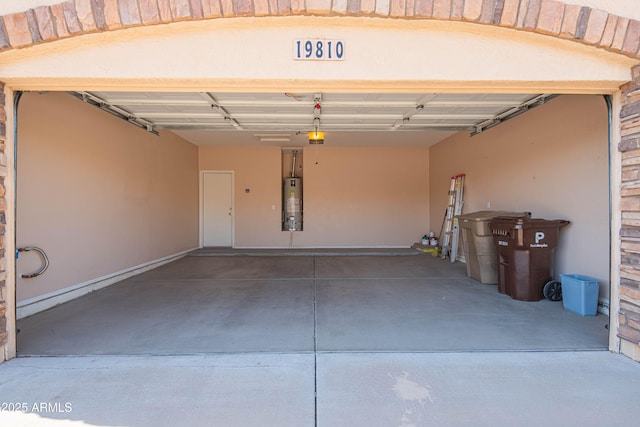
(553, 291)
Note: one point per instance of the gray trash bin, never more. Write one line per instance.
(477, 243)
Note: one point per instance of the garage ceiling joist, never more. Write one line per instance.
(296, 112)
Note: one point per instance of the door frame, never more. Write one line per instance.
(201, 205)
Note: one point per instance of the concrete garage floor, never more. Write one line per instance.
(273, 339)
(239, 304)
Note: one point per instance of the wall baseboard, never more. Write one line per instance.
(49, 300)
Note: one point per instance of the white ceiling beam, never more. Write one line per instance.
(196, 102)
(401, 106)
(472, 104)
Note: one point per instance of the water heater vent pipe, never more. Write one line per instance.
(293, 164)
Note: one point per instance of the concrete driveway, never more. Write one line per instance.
(589, 388)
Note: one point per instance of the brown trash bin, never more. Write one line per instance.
(526, 250)
(478, 246)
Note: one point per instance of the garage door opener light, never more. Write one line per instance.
(315, 136)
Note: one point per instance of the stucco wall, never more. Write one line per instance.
(356, 196)
(98, 194)
(551, 161)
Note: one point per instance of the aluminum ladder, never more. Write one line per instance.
(451, 227)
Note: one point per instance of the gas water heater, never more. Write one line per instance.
(292, 200)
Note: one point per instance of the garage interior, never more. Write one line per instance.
(349, 280)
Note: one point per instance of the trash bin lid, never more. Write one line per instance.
(479, 222)
(527, 233)
(526, 223)
(489, 215)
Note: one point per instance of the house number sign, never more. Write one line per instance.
(318, 50)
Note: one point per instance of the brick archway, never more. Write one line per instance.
(579, 24)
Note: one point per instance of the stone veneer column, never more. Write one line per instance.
(3, 223)
(629, 313)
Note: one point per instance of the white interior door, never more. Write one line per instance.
(217, 209)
